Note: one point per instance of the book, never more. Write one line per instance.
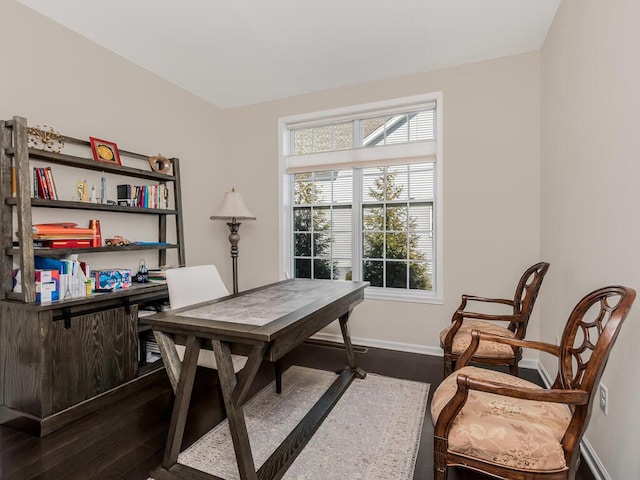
(42, 185)
(60, 231)
(67, 243)
(14, 185)
(48, 175)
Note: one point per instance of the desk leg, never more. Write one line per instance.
(181, 404)
(344, 326)
(233, 393)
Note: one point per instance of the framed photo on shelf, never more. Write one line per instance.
(104, 151)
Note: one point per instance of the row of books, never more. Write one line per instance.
(145, 196)
(42, 184)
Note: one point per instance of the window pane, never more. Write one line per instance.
(397, 183)
(302, 245)
(373, 272)
(322, 268)
(303, 268)
(342, 245)
(321, 245)
(341, 219)
(420, 276)
(322, 187)
(343, 136)
(397, 130)
(343, 187)
(396, 275)
(322, 139)
(321, 219)
(342, 269)
(421, 247)
(421, 187)
(373, 244)
(303, 141)
(420, 217)
(422, 126)
(396, 218)
(373, 131)
(373, 184)
(302, 219)
(396, 245)
(373, 218)
(304, 190)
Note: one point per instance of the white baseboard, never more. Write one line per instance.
(404, 347)
(368, 342)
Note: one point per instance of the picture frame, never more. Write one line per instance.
(105, 151)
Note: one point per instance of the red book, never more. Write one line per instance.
(66, 243)
(42, 184)
(50, 185)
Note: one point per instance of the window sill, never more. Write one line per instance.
(375, 293)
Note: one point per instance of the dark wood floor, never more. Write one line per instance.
(126, 440)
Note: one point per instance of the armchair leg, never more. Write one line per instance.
(513, 369)
(448, 366)
(439, 458)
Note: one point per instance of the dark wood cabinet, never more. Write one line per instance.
(69, 358)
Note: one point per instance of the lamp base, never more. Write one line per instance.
(234, 238)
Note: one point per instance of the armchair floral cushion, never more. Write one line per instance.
(502, 430)
(486, 349)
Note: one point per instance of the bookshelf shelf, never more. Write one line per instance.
(91, 164)
(60, 252)
(40, 202)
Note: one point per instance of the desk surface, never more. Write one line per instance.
(260, 314)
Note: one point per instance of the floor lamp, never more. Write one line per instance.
(232, 210)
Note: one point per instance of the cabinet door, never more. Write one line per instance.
(97, 353)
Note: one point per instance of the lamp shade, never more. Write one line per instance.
(233, 207)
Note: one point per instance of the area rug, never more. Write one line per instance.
(373, 432)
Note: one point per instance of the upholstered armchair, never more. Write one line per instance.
(456, 337)
(496, 423)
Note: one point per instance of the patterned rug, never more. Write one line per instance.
(373, 432)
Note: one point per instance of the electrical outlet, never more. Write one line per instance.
(604, 399)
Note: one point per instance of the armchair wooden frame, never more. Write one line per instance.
(522, 305)
(582, 356)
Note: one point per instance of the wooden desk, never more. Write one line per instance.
(264, 323)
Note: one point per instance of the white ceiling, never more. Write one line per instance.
(239, 52)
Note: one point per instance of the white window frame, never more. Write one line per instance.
(362, 157)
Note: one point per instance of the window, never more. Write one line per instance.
(360, 189)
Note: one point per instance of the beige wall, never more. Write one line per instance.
(52, 76)
(491, 145)
(590, 200)
(491, 187)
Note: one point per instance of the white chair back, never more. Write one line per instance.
(190, 285)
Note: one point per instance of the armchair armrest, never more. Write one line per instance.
(491, 317)
(466, 298)
(569, 397)
(504, 301)
(476, 336)
(465, 383)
